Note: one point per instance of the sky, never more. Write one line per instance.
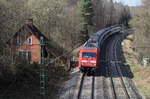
(130, 2)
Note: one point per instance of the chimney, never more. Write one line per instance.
(29, 22)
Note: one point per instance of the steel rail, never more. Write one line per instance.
(81, 85)
(81, 89)
(114, 96)
(114, 46)
(93, 87)
(119, 72)
(132, 90)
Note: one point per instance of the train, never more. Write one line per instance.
(88, 56)
(90, 52)
(88, 59)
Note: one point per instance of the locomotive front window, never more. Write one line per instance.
(89, 54)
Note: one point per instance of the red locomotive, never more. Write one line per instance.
(88, 59)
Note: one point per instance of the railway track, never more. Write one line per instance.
(119, 71)
(86, 87)
(118, 87)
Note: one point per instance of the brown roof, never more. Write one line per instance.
(31, 30)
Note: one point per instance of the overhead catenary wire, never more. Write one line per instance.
(65, 54)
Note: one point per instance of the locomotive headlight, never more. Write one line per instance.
(92, 61)
(84, 61)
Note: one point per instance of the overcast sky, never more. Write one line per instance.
(130, 2)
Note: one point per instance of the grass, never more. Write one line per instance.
(142, 78)
(141, 74)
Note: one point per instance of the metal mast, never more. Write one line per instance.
(42, 71)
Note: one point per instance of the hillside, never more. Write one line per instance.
(141, 74)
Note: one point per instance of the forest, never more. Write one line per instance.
(141, 25)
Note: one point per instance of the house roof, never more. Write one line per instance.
(31, 30)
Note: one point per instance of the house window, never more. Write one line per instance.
(30, 40)
(22, 54)
(25, 55)
(19, 40)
